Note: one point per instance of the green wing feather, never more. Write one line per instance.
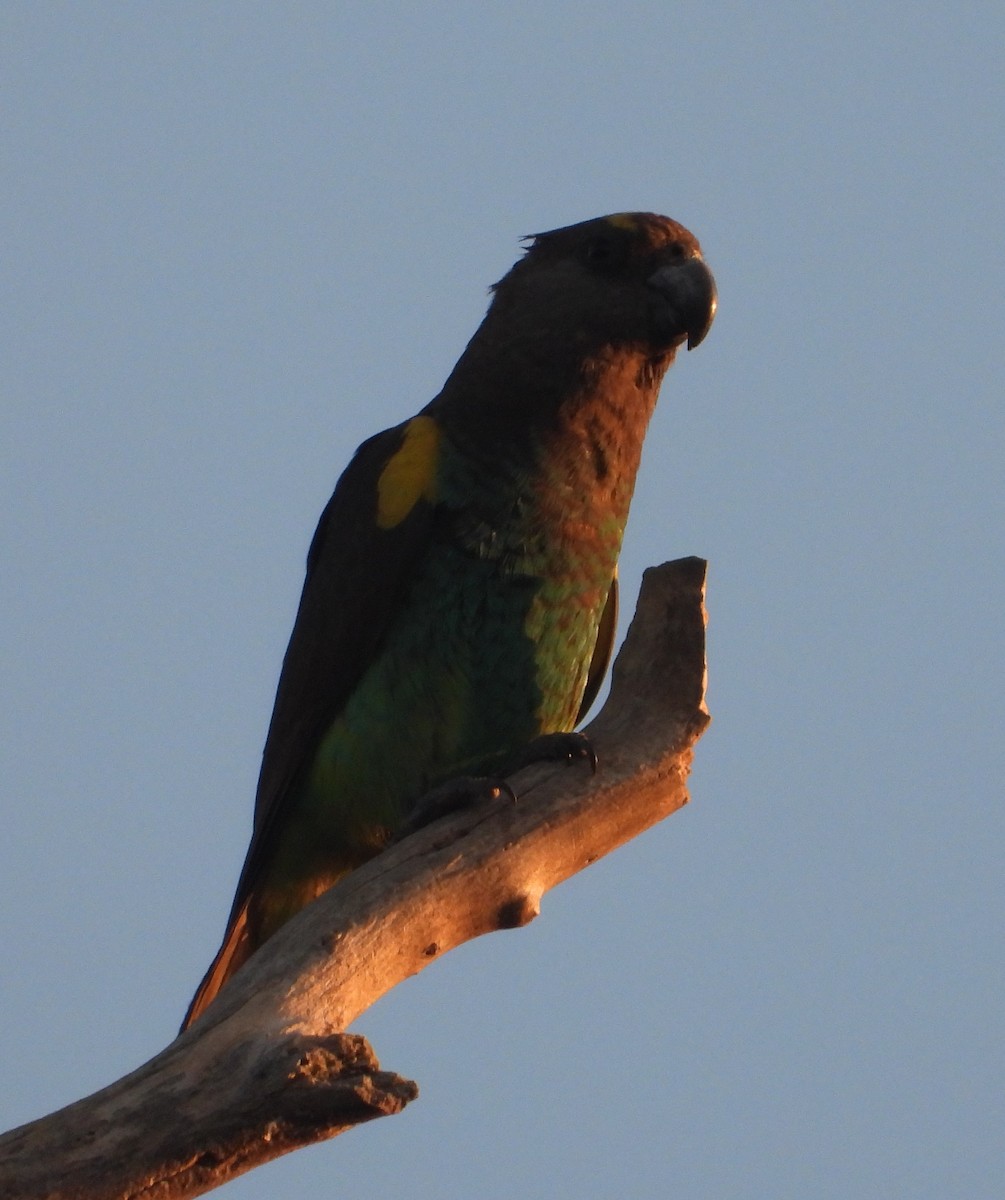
(602, 651)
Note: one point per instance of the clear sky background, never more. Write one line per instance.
(237, 239)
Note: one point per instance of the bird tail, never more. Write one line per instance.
(234, 952)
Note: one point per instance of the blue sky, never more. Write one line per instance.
(239, 238)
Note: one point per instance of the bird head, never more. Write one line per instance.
(629, 280)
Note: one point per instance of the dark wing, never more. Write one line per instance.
(602, 651)
(357, 577)
(358, 573)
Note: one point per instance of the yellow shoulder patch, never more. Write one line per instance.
(410, 473)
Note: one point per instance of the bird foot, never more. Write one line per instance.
(556, 747)
(463, 792)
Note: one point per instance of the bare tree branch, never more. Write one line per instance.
(269, 1067)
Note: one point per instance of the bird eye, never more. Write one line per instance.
(599, 250)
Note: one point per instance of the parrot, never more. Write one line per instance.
(460, 600)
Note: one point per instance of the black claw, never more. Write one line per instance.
(503, 788)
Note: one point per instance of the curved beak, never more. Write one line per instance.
(690, 288)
